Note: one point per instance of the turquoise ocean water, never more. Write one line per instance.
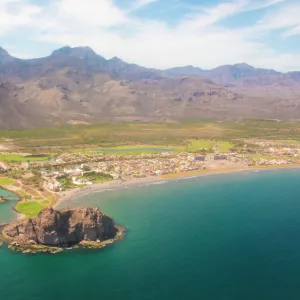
(6, 212)
(221, 237)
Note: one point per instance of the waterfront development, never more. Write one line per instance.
(42, 179)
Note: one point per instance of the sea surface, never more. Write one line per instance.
(6, 211)
(220, 237)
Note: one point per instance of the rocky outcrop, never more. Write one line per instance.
(63, 228)
(3, 200)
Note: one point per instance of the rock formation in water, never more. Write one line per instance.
(2, 200)
(63, 228)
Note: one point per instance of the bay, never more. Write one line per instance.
(230, 236)
(6, 209)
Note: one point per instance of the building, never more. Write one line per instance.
(220, 157)
(200, 158)
(3, 167)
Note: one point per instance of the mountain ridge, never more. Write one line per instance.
(87, 53)
(78, 84)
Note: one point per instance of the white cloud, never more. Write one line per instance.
(101, 13)
(284, 17)
(257, 5)
(210, 15)
(18, 52)
(140, 3)
(15, 14)
(293, 31)
(197, 39)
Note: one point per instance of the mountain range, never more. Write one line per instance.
(78, 86)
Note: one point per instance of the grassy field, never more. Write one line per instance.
(196, 145)
(31, 208)
(20, 158)
(266, 157)
(131, 149)
(96, 177)
(6, 181)
(225, 146)
(190, 146)
(156, 134)
(32, 200)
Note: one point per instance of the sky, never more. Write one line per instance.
(158, 33)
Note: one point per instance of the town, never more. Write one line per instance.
(41, 179)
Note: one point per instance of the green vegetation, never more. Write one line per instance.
(31, 208)
(266, 157)
(140, 134)
(20, 158)
(66, 182)
(133, 147)
(195, 145)
(225, 146)
(130, 150)
(128, 138)
(6, 181)
(208, 145)
(92, 176)
(96, 177)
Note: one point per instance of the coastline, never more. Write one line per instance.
(112, 185)
(19, 216)
(98, 187)
(72, 194)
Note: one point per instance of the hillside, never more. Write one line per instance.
(77, 85)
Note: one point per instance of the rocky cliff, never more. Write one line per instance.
(62, 228)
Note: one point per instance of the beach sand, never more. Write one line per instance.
(74, 193)
(112, 185)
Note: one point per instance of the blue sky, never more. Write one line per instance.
(158, 33)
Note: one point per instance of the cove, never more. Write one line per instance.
(6, 209)
(228, 236)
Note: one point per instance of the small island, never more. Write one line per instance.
(3, 200)
(53, 231)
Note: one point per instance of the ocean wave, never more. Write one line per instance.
(158, 182)
(154, 183)
(101, 191)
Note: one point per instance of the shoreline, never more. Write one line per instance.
(72, 194)
(113, 185)
(98, 187)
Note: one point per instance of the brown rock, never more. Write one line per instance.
(58, 228)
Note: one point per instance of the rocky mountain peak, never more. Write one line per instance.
(244, 66)
(117, 59)
(80, 52)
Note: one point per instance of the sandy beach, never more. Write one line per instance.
(112, 185)
(74, 193)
